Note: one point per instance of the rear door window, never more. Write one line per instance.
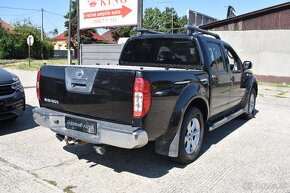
(217, 62)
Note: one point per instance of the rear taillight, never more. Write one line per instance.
(38, 85)
(141, 97)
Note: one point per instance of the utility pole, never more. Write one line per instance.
(140, 15)
(78, 32)
(42, 31)
(42, 24)
(69, 36)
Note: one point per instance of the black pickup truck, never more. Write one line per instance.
(167, 88)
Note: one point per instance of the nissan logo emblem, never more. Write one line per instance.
(79, 73)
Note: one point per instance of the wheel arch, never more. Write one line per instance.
(201, 105)
(255, 87)
(194, 96)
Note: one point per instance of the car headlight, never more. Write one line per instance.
(17, 84)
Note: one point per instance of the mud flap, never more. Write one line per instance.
(168, 148)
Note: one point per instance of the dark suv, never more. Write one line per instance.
(12, 97)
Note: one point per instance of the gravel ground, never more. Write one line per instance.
(241, 156)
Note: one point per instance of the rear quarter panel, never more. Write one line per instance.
(171, 92)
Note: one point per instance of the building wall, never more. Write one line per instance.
(60, 45)
(269, 50)
(279, 20)
(268, 21)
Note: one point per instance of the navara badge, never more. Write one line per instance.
(79, 73)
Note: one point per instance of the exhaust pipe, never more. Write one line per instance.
(69, 141)
(72, 141)
(100, 149)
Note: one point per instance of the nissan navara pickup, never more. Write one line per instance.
(167, 88)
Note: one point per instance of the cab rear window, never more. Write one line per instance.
(161, 51)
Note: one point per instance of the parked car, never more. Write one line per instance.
(168, 88)
(12, 96)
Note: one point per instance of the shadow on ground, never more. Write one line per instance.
(23, 123)
(144, 161)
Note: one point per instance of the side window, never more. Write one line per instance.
(233, 60)
(216, 58)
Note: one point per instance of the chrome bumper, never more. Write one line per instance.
(124, 136)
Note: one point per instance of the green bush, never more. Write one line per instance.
(14, 45)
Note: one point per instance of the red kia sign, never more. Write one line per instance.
(108, 13)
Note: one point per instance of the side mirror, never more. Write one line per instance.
(247, 65)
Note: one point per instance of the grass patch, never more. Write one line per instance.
(276, 84)
(35, 175)
(68, 189)
(283, 85)
(51, 182)
(279, 96)
(261, 95)
(34, 64)
(282, 93)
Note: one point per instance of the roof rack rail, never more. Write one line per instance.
(194, 29)
(147, 31)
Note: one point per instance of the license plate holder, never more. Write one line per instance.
(81, 125)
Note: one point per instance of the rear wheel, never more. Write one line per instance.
(251, 105)
(191, 136)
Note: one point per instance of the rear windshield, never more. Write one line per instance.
(163, 52)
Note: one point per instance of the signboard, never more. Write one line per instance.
(30, 40)
(107, 13)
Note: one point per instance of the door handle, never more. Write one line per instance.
(214, 77)
(233, 79)
(215, 80)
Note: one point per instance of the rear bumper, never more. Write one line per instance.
(124, 136)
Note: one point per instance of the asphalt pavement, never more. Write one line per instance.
(241, 156)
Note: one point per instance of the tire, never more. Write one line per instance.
(250, 106)
(191, 136)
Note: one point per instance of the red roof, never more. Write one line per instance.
(6, 25)
(61, 37)
(108, 37)
(96, 36)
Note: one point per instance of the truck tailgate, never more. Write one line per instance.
(91, 92)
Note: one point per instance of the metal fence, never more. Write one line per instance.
(100, 54)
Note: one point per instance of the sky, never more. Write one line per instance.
(54, 9)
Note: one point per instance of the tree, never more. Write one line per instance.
(152, 19)
(86, 35)
(53, 32)
(4, 42)
(14, 45)
(170, 20)
(119, 32)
